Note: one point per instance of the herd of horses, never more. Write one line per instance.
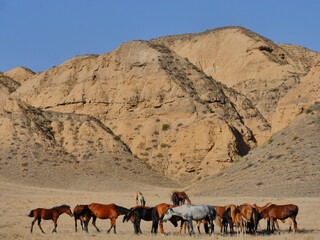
(239, 219)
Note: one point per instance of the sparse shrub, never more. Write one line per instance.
(163, 145)
(159, 155)
(295, 137)
(270, 140)
(156, 133)
(165, 127)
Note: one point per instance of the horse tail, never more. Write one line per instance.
(31, 214)
(121, 210)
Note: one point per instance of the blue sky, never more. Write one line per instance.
(39, 34)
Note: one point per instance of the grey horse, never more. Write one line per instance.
(191, 212)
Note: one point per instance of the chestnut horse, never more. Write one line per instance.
(179, 198)
(81, 212)
(260, 209)
(48, 214)
(282, 212)
(105, 211)
(251, 216)
(157, 216)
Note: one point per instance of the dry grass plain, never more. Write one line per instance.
(17, 200)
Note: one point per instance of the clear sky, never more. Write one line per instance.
(39, 34)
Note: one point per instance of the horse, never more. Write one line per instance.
(81, 212)
(228, 217)
(49, 214)
(251, 216)
(137, 213)
(138, 196)
(260, 209)
(179, 198)
(157, 216)
(282, 212)
(105, 211)
(191, 212)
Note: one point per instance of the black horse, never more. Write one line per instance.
(137, 214)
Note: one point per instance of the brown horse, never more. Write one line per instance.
(49, 214)
(81, 212)
(103, 211)
(282, 212)
(260, 209)
(179, 198)
(157, 216)
(251, 216)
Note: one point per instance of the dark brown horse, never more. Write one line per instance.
(136, 214)
(105, 211)
(281, 212)
(81, 212)
(48, 214)
(179, 198)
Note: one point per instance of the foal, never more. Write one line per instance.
(49, 214)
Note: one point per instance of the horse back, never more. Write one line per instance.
(282, 211)
(104, 211)
(44, 213)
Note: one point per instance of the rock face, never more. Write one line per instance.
(169, 113)
(48, 148)
(253, 65)
(185, 106)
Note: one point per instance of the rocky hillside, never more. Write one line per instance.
(253, 65)
(169, 113)
(49, 149)
(285, 165)
(184, 106)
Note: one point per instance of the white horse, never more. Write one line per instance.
(139, 199)
(190, 212)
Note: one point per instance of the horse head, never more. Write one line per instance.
(168, 214)
(69, 212)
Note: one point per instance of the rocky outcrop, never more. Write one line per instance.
(170, 114)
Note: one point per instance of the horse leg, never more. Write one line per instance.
(113, 224)
(39, 220)
(86, 223)
(55, 225)
(94, 218)
(75, 225)
(32, 223)
(295, 225)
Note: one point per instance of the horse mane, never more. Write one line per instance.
(62, 206)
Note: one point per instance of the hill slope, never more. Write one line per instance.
(170, 114)
(285, 165)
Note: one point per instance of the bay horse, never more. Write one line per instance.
(282, 212)
(138, 196)
(157, 216)
(49, 214)
(260, 209)
(191, 212)
(105, 211)
(136, 214)
(81, 212)
(179, 198)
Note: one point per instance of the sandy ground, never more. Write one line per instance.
(17, 200)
